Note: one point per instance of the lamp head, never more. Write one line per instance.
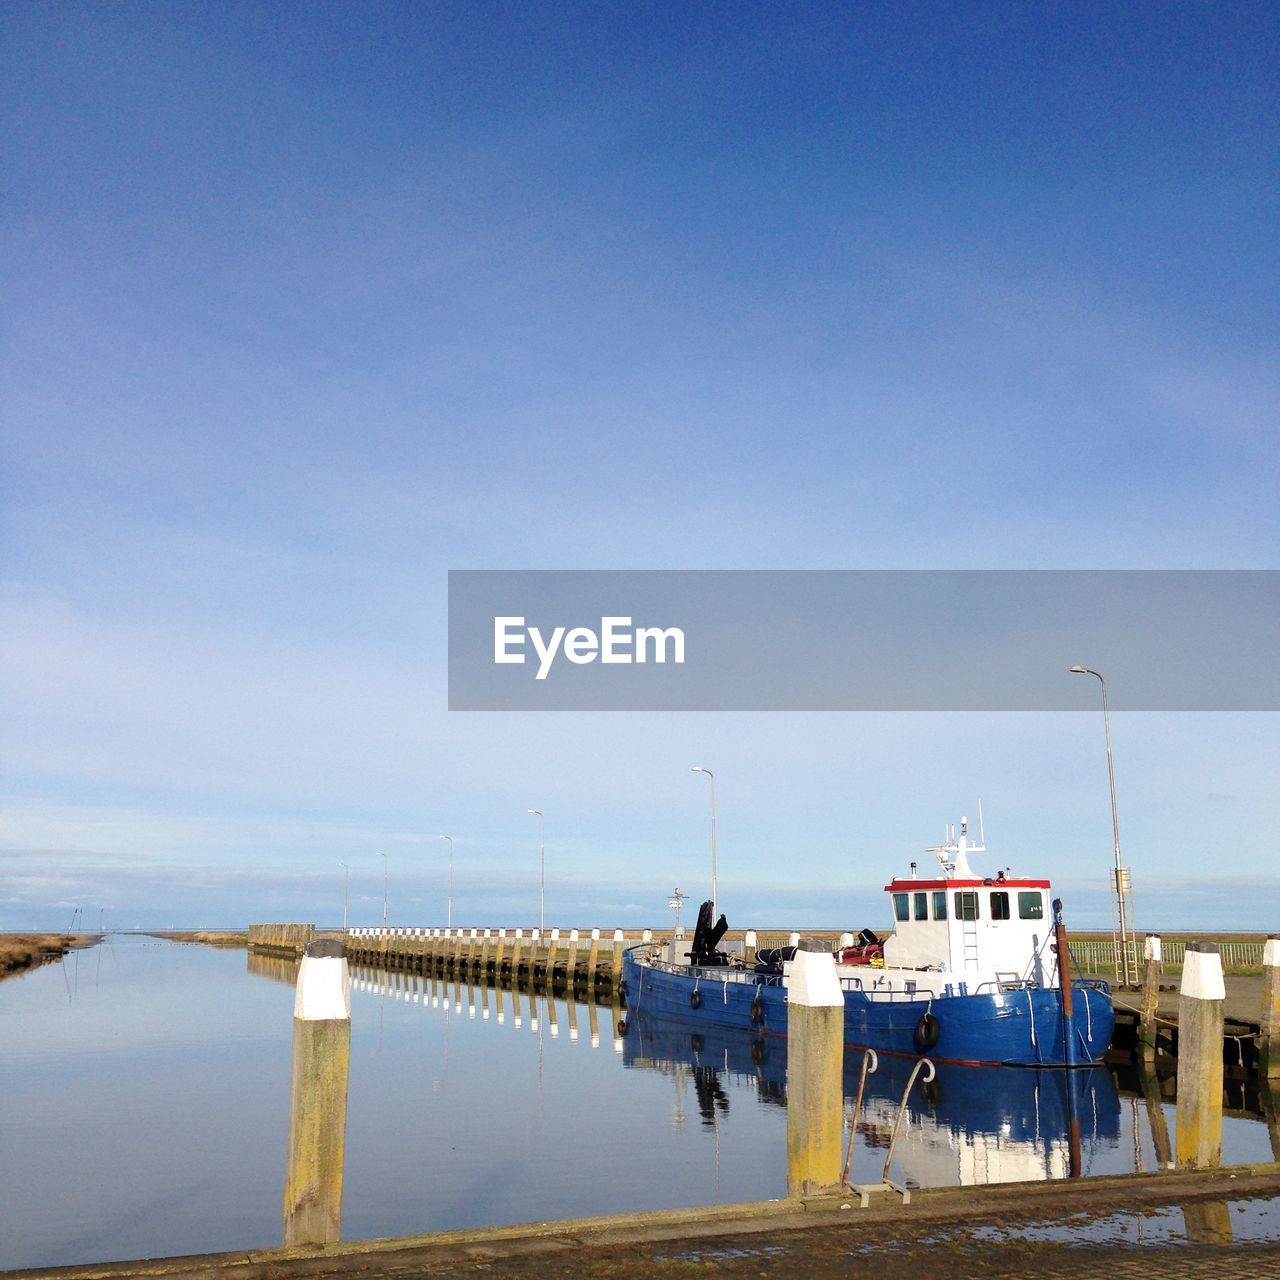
(1078, 670)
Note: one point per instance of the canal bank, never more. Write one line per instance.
(1206, 1223)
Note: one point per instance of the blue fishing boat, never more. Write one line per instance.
(977, 971)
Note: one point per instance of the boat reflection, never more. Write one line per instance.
(969, 1126)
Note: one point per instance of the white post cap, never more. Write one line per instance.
(595, 935)
(647, 936)
(812, 981)
(573, 935)
(1152, 948)
(794, 940)
(519, 933)
(1271, 953)
(323, 993)
(846, 940)
(473, 933)
(617, 935)
(749, 938)
(1202, 972)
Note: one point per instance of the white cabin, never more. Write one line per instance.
(969, 928)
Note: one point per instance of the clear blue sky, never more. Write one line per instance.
(308, 304)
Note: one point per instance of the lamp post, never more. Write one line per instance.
(542, 874)
(449, 913)
(1122, 967)
(346, 884)
(697, 768)
(385, 865)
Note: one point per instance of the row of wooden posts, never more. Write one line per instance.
(499, 955)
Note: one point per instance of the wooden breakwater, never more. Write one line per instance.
(589, 960)
(281, 939)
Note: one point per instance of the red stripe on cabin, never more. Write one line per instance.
(922, 885)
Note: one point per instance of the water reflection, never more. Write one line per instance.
(147, 1115)
(970, 1125)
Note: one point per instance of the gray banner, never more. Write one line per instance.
(862, 640)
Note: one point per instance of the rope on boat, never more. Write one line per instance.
(1031, 1006)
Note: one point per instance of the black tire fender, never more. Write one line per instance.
(695, 999)
(757, 1012)
(928, 1029)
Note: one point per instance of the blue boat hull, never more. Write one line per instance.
(1009, 1028)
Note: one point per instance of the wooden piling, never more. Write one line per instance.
(749, 948)
(553, 949)
(517, 947)
(593, 959)
(1269, 1039)
(815, 1068)
(1200, 1022)
(1147, 1025)
(616, 989)
(499, 957)
(318, 1097)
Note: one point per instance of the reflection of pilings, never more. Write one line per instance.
(277, 968)
(1207, 1221)
(1156, 1121)
(318, 1097)
(1269, 1097)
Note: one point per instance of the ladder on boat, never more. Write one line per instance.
(969, 936)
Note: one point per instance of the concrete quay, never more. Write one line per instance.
(1215, 1222)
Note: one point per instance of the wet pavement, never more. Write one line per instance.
(1216, 1223)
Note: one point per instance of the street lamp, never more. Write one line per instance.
(385, 866)
(346, 884)
(449, 914)
(1121, 888)
(542, 863)
(697, 768)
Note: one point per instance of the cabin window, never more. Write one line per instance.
(922, 906)
(1000, 906)
(1030, 906)
(966, 905)
(901, 906)
(940, 904)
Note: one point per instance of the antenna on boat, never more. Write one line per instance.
(982, 831)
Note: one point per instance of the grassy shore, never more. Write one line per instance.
(19, 951)
(207, 937)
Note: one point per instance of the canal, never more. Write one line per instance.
(146, 1090)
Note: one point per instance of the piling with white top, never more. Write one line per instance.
(1147, 1025)
(1201, 1003)
(617, 963)
(815, 1068)
(318, 1097)
(1269, 1039)
(593, 958)
(749, 947)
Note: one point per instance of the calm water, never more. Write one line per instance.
(145, 1091)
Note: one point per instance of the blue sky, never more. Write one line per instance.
(307, 305)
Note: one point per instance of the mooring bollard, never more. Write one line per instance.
(1269, 1039)
(318, 1097)
(617, 965)
(815, 1068)
(1147, 1025)
(593, 958)
(1198, 1135)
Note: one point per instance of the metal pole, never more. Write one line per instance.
(449, 912)
(542, 873)
(697, 768)
(1121, 898)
